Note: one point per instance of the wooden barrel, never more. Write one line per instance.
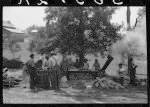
(43, 79)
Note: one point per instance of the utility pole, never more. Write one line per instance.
(129, 53)
(128, 18)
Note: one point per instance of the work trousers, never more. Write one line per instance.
(121, 80)
(132, 77)
(33, 78)
(54, 80)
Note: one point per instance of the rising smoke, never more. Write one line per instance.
(133, 39)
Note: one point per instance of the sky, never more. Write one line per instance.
(24, 17)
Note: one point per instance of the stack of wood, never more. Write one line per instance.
(105, 82)
(10, 82)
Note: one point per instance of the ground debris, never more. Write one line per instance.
(104, 82)
(10, 82)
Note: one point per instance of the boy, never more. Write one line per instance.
(85, 64)
(121, 72)
(96, 65)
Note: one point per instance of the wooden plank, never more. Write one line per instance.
(81, 71)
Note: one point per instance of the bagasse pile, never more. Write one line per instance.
(10, 81)
(105, 82)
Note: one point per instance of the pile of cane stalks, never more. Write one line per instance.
(104, 82)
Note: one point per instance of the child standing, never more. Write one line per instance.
(121, 73)
(96, 65)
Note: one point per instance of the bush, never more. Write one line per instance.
(5, 62)
(13, 63)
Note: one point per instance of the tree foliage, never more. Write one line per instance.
(142, 11)
(79, 30)
(12, 42)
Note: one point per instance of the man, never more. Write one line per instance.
(64, 65)
(64, 75)
(54, 72)
(39, 64)
(47, 63)
(70, 62)
(132, 72)
(47, 66)
(33, 74)
(42, 56)
(77, 64)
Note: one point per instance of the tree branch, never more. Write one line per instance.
(137, 21)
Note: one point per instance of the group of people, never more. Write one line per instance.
(44, 63)
(120, 73)
(85, 64)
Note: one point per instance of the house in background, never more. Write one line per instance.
(10, 30)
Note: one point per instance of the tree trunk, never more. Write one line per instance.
(81, 58)
(129, 64)
(81, 39)
(128, 28)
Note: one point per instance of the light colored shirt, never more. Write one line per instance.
(133, 64)
(121, 72)
(42, 58)
(86, 66)
(47, 63)
(52, 61)
(31, 63)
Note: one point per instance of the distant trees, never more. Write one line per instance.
(29, 29)
(36, 38)
(39, 42)
(142, 11)
(12, 43)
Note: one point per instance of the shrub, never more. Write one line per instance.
(5, 62)
(13, 63)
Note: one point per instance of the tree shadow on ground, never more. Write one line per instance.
(130, 94)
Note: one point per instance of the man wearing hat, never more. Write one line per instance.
(33, 74)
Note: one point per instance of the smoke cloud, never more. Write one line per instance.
(135, 38)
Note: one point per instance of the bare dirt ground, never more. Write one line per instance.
(21, 95)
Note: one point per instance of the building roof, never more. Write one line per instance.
(13, 30)
(8, 24)
(34, 31)
(10, 27)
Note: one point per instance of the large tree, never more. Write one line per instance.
(82, 29)
(79, 30)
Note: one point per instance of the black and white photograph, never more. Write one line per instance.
(74, 54)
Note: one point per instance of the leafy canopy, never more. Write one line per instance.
(79, 30)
